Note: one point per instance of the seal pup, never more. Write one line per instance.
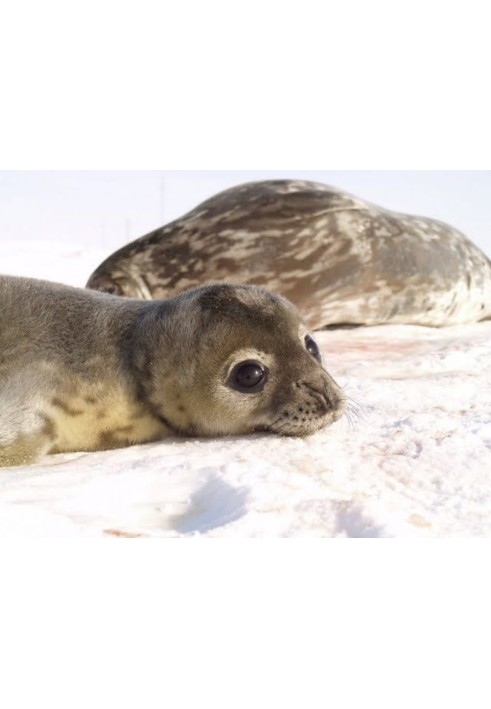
(339, 259)
(82, 370)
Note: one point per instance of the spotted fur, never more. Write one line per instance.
(340, 259)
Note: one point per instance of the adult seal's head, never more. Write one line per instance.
(236, 359)
(83, 370)
(338, 258)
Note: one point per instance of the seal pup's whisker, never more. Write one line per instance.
(354, 412)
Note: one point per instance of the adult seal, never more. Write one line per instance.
(81, 370)
(339, 259)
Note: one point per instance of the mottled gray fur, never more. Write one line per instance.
(338, 258)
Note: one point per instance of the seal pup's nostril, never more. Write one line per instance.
(327, 401)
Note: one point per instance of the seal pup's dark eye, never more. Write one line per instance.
(248, 377)
(312, 348)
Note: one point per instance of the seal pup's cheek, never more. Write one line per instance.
(224, 413)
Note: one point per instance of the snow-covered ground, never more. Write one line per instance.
(413, 457)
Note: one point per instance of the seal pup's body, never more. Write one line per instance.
(81, 370)
(339, 259)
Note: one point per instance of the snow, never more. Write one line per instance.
(411, 459)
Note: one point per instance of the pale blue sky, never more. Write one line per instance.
(108, 209)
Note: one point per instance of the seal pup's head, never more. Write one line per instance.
(226, 359)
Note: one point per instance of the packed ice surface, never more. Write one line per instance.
(412, 457)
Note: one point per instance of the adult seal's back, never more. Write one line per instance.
(339, 259)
